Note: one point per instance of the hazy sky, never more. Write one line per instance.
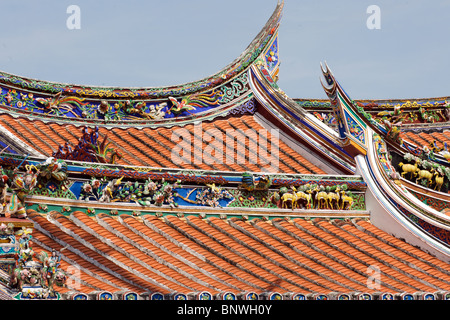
(158, 43)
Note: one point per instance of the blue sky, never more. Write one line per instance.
(159, 43)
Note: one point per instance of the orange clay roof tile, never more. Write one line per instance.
(153, 147)
(320, 257)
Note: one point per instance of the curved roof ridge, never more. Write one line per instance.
(239, 64)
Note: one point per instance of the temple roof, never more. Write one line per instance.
(152, 147)
(191, 254)
(263, 228)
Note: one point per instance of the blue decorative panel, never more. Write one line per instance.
(157, 296)
(387, 296)
(355, 129)
(229, 296)
(299, 296)
(180, 296)
(271, 56)
(251, 296)
(429, 296)
(105, 296)
(275, 296)
(204, 296)
(130, 296)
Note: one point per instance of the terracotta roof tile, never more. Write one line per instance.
(153, 146)
(217, 255)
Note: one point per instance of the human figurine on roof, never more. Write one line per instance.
(25, 252)
(50, 268)
(53, 168)
(3, 189)
(22, 185)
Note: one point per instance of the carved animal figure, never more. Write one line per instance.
(313, 190)
(194, 101)
(306, 197)
(322, 200)
(288, 198)
(35, 278)
(334, 197)
(18, 277)
(248, 182)
(347, 201)
(408, 168)
(60, 278)
(439, 180)
(178, 107)
(424, 174)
